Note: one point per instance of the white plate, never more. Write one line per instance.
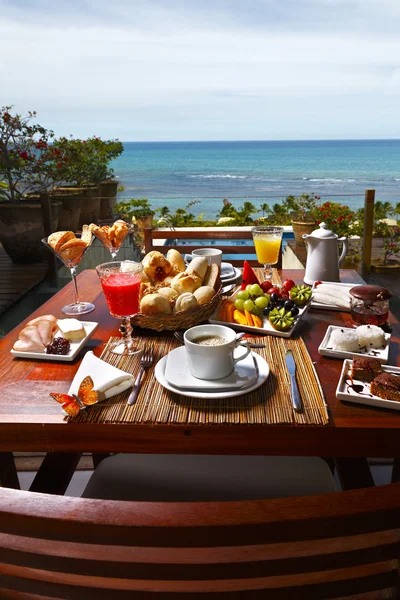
(263, 368)
(89, 326)
(347, 394)
(320, 306)
(227, 271)
(267, 328)
(237, 276)
(177, 373)
(381, 354)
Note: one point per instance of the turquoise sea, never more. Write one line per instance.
(175, 173)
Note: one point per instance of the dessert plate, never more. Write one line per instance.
(89, 326)
(360, 392)
(177, 373)
(263, 372)
(381, 354)
(321, 306)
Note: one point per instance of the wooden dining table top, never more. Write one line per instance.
(33, 423)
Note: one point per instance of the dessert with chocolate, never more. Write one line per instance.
(386, 386)
(365, 368)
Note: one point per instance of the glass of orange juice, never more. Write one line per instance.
(267, 242)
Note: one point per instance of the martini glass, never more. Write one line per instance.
(267, 242)
(77, 307)
(114, 244)
(121, 281)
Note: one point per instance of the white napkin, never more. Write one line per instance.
(108, 380)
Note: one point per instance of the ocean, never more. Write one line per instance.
(175, 173)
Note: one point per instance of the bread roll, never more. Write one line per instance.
(198, 265)
(186, 282)
(155, 265)
(204, 294)
(154, 304)
(168, 293)
(185, 302)
(175, 259)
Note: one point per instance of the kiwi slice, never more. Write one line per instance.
(280, 319)
(300, 294)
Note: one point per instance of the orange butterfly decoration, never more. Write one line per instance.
(85, 397)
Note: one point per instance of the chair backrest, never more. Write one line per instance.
(327, 546)
(204, 233)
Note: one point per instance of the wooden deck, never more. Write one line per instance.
(17, 280)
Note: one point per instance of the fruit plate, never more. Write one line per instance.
(360, 392)
(89, 327)
(381, 354)
(338, 307)
(267, 328)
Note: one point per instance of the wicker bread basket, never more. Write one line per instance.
(181, 320)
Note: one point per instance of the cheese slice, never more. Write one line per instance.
(71, 329)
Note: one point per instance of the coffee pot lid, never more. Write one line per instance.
(324, 233)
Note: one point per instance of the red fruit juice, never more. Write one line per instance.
(122, 293)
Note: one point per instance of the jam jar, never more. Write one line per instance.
(369, 304)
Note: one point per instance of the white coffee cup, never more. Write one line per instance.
(213, 255)
(212, 361)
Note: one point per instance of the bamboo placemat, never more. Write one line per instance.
(269, 404)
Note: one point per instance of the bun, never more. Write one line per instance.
(186, 282)
(154, 304)
(168, 293)
(204, 294)
(198, 265)
(212, 276)
(156, 266)
(185, 302)
(175, 259)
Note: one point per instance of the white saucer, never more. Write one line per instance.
(263, 368)
(227, 270)
(233, 278)
(177, 373)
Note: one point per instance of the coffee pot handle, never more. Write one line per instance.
(344, 250)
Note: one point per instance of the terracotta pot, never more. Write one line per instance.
(21, 230)
(144, 222)
(301, 227)
(108, 197)
(70, 213)
(90, 202)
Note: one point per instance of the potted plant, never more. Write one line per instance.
(137, 210)
(29, 163)
(301, 210)
(87, 169)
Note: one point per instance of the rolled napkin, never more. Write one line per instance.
(331, 294)
(108, 380)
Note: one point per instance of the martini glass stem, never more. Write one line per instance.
(73, 275)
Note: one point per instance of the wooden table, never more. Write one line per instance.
(27, 424)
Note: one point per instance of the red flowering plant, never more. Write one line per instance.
(339, 218)
(28, 160)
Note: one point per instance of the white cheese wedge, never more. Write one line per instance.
(71, 329)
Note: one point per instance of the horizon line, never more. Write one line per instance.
(250, 140)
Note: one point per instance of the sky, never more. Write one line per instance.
(160, 70)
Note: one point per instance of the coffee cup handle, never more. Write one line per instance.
(188, 257)
(241, 345)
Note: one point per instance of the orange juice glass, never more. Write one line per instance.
(267, 243)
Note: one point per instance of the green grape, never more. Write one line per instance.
(261, 302)
(249, 305)
(248, 286)
(243, 295)
(255, 290)
(239, 304)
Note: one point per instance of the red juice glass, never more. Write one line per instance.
(121, 281)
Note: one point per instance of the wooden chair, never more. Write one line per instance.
(331, 546)
(203, 233)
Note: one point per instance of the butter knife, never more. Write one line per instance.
(291, 367)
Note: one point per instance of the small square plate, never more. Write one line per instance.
(381, 354)
(320, 306)
(267, 328)
(362, 394)
(89, 327)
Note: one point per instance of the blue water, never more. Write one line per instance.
(174, 173)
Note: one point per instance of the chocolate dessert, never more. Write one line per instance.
(365, 368)
(386, 386)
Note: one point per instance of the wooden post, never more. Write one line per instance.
(48, 229)
(368, 229)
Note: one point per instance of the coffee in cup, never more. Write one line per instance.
(213, 255)
(211, 351)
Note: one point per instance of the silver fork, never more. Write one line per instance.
(146, 361)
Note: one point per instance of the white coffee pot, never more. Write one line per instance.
(323, 260)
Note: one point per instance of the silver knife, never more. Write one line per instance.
(291, 367)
